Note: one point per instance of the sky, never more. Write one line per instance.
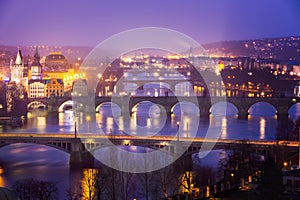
(89, 22)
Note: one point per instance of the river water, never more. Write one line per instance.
(19, 161)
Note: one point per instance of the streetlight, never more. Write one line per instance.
(126, 142)
(187, 129)
(88, 119)
(178, 123)
(75, 131)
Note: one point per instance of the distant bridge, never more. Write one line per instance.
(80, 148)
(282, 105)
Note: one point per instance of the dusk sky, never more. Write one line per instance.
(88, 22)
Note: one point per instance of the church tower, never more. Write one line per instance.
(16, 69)
(36, 68)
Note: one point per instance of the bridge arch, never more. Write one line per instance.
(36, 105)
(67, 105)
(151, 108)
(63, 146)
(223, 108)
(185, 107)
(262, 107)
(294, 111)
(114, 108)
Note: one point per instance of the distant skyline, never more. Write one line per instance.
(89, 22)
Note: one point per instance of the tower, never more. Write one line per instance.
(16, 69)
(36, 68)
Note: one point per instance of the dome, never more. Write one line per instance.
(56, 61)
(56, 56)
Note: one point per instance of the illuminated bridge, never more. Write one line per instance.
(80, 149)
(243, 104)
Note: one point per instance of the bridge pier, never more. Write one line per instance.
(204, 112)
(87, 160)
(75, 159)
(185, 160)
(242, 113)
(282, 116)
(78, 157)
(126, 113)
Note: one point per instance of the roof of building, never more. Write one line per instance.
(55, 56)
(36, 61)
(36, 80)
(60, 81)
(19, 58)
(7, 194)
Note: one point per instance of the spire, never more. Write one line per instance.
(19, 58)
(36, 57)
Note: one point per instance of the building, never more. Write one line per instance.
(36, 89)
(2, 98)
(17, 69)
(15, 93)
(291, 182)
(66, 76)
(56, 61)
(80, 88)
(35, 72)
(18, 72)
(18, 86)
(6, 193)
(54, 87)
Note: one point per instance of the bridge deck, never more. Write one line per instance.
(27, 137)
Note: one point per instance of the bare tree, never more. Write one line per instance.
(28, 189)
(185, 180)
(127, 187)
(47, 190)
(167, 179)
(240, 163)
(145, 182)
(74, 193)
(88, 183)
(101, 184)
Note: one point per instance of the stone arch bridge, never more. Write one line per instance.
(127, 103)
(80, 149)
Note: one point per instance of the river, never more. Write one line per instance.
(19, 161)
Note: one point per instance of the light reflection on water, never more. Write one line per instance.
(37, 161)
(262, 128)
(144, 123)
(20, 161)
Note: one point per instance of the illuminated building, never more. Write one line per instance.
(17, 69)
(56, 61)
(36, 89)
(297, 91)
(221, 66)
(54, 87)
(80, 88)
(67, 77)
(14, 93)
(35, 72)
(2, 98)
(18, 74)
